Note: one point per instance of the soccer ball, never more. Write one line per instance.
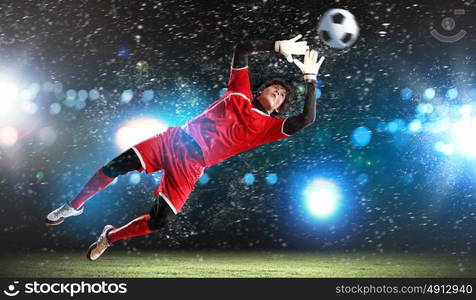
(338, 28)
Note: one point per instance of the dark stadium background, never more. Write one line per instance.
(188, 46)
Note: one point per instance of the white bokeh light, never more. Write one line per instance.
(464, 136)
(9, 95)
(8, 136)
(138, 130)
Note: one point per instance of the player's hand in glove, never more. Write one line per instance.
(310, 67)
(290, 47)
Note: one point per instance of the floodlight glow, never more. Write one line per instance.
(322, 197)
(466, 110)
(8, 136)
(29, 107)
(137, 131)
(30, 93)
(464, 136)
(8, 95)
(446, 149)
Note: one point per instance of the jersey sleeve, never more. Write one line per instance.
(240, 82)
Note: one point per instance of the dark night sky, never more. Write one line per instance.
(188, 47)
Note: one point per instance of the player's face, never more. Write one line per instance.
(272, 97)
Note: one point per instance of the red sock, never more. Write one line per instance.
(136, 227)
(97, 183)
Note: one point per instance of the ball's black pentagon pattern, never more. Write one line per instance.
(338, 28)
(346, 38)
(325, 35)
(338, 18)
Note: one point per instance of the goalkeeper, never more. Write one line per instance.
(232, 124)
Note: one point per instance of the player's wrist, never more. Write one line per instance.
(310, 76)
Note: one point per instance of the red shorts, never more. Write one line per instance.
(180, 157)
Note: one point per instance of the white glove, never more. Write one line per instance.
(310, 67)
(290, 47)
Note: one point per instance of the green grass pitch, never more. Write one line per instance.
(120, 264)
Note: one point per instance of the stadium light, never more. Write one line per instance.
(8, 136)
(322, 197)
(463, 133)
(8, 95)
(138, 130)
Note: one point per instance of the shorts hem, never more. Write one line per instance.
(168, 202)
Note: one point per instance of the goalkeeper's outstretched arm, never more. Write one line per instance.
(310, 69)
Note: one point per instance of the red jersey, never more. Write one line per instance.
(232, 124)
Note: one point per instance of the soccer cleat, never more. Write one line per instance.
(98, 247)
(58, 215)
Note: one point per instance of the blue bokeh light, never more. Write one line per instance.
(415, 126)
(55, 108)
(93, 95)
(406, 94)
(134, 178)
(70, 99)
(271, 178)
(204, 179)
(452, 94)
(71, 95)
(82, 95)
(123, 52)
(447, 149)
(127, 96)
(429, 94)
(361, 136)
(395, 126)
(148, 95)
(248, 179)
(319, 82)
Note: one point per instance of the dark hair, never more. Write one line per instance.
(288, 100)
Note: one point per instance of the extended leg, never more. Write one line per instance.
(160, 215)
(126, 162)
